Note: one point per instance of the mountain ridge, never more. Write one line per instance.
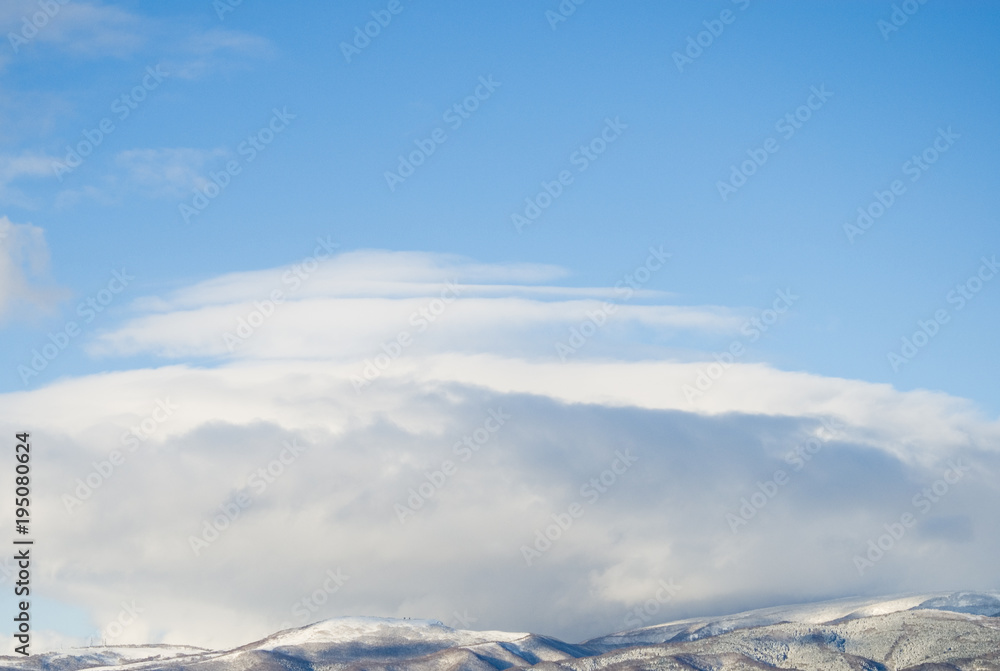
(917, 632)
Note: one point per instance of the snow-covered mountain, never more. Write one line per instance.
(101, 657)
(929, 632)
(810, 614)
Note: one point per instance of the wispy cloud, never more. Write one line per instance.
(168, 172)
(80, 29)
(177, 46)
(13, 167)
(500, 332)
(94, 30)
(350, 304)
(24, 261)
(218, 50)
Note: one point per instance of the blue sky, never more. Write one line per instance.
(555, 87)
(657, 185)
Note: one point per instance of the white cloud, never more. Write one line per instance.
(24, 260)
(347, 307)
(14, 167)
(168, 172)
(108, 194)
(96, 30)
(333, 506)
(82, 29)
(216, 50)
(26, 164)
(93, 30)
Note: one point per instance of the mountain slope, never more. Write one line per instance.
(905, 639)
(928, 632)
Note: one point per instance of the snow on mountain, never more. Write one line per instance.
(966, 602)
(927, 632)
(97, 657)
(382, 640)
(904, 640)
(811, 613)
(380, 632)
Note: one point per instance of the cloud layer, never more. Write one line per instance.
(478, 473)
